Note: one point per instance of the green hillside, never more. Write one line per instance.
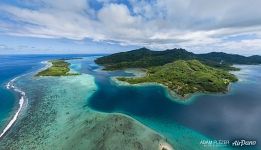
(185, 77)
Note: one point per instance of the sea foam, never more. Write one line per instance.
(10, 85)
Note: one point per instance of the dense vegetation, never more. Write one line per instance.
(58, 68)
(144, 58)
(185, 77)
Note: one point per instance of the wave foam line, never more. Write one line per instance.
(21, 102)
(9, 84)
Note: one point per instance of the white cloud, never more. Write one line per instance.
(116, 15)
(199, 25)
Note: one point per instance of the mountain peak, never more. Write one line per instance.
(143, 49)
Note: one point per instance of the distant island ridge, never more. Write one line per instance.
(144, 57)
(181, 71)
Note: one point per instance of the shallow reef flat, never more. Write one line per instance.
(113, 132)
(56, 117)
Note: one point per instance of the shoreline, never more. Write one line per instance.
(171, 94)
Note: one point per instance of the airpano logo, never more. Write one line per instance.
(241, 143)
(233, 143)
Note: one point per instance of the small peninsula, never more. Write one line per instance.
(58, 67)
(186, 77)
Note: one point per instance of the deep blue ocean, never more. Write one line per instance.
(235, 115)
(12, 66)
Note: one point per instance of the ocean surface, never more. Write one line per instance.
(12, 66)
(231, 116)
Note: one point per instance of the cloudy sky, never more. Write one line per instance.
(107, 26)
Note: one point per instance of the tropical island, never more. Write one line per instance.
(58, 67)
(181, 71)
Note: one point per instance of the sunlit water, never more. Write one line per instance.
(230, 116)
(234, 115)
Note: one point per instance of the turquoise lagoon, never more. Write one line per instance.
(230, 116)
(55, 116)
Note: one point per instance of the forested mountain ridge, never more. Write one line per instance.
(144, 58)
